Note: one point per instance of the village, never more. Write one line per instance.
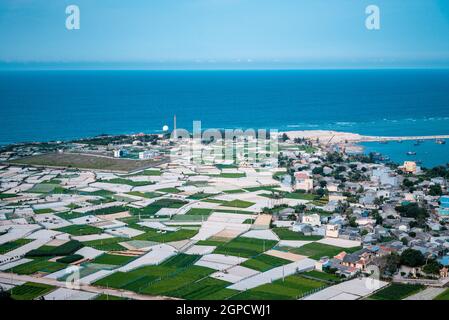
(132, 217)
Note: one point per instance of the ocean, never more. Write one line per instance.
(62, 105)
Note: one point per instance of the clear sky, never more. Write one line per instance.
(229, 33)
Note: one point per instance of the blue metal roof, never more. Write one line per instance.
(444, 261)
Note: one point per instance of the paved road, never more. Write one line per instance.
(9, 277)
(426, 294)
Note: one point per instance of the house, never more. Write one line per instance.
(444, 206)
(322, 264)
(332, 230)
(410, 167)
(358, 259)
(303, 181)
(337, 197)
(312, 219)
(303, 228)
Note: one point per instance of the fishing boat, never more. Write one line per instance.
(411, 153)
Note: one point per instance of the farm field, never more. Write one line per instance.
(207, 288)
(43, 188)
(128, 182)
(37, 265)
(110, 244)
(237, 204)
(286, 234)
(62, 250)
(443, 296)
(169, 190)
(178, 280)
(153, 208)
(199, 211)
(148, 195)
(83, 161)
(168, 236)
(157, 279)
(321, 276)
(80, 230)
(30, 291)
(112, 259)
(316, 250)
(7, 195)
(12, 245)
(396, 291)
(264, 262)
(245, 247)
(292, 287)
(42, 211)
(104, 297)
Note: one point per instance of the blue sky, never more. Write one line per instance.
(198, 33)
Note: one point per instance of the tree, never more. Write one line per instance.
(392, 263)
(412, 210)
(352, 222)
(378, 217)
(412, 258)
(321, 192)
(285, 137)
(432, 267)
(435, 190)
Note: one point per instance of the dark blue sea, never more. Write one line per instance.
(62, 105)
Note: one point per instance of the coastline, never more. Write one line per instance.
(335, 137)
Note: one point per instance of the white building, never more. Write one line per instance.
(312, 219)
(332, 231)
(303, 181)
(149, 154)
